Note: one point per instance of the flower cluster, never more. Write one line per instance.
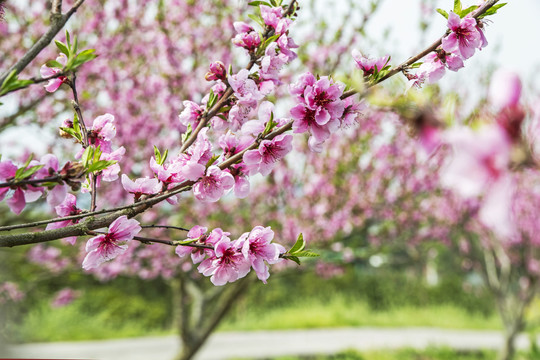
(226, 260)
(319, 110)
(466, 35)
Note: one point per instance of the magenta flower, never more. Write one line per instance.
(213, 184)
(257, 248)
(269, 152)
(45, 71)
(106, 247)
(464, 38)
(67, 208)
(227, 265)
(368, 65)
(141, 186)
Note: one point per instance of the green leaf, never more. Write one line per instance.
(77, 126)
(457, 6)
(81, 58)
(100, 165)
(157, 155)
(257, 19)
(54, 64)
(468, 10)
(443, 13)
(293, 258)
(75, 46)
(62, 47)
(299, 245)
(87, 155)
(187, 134)
(23, 173)
(68, 40)
(211, 100)
(212, 160)
(257, 3)
(492, 10)
(306, 253)
(70, 131)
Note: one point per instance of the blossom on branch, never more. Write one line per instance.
(107, 246)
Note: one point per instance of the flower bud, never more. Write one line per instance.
(217, 71)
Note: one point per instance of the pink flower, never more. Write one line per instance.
(102, 132)
(67, 208)
(106, 247)
(191, 114)
(198, 233)
(247, 40)
(271, 15)
(272, 63)
(435, 64)
(46, 72)
(240, 113)
(464, 38)
(20, 196)
(213, 184)
(217, 71)
(227, 265)
(368, 65)
(285, 45)
(64, 297)
(244, 88)
(269, 152)
(257, 248)
(141, 186)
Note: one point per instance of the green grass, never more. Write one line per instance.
(403, 354)
(341, 312)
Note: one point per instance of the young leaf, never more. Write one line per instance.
(100, 165)
(443, 13)
(157, 155)
(468, 10)
(23, 173)
(492, 10)
(299, 245)
(257, 3)
(293, 258)
(62, 47)
(306, 253)
(457, 7)
(54, 64)
(87, 155)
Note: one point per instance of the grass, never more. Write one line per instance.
(341, 312)
(404, 354)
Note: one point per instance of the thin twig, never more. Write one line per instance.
(164, 227)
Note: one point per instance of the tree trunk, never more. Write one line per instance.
(200, 312)
(509, 350)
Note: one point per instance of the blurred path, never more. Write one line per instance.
(264, 344)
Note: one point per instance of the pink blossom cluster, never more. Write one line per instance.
(320, 110)
(226, 260)
(466, 35)
(10, 291)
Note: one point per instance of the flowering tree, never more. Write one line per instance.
(217, 143)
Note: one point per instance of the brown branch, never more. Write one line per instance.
(55, 178)
(58, 22)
